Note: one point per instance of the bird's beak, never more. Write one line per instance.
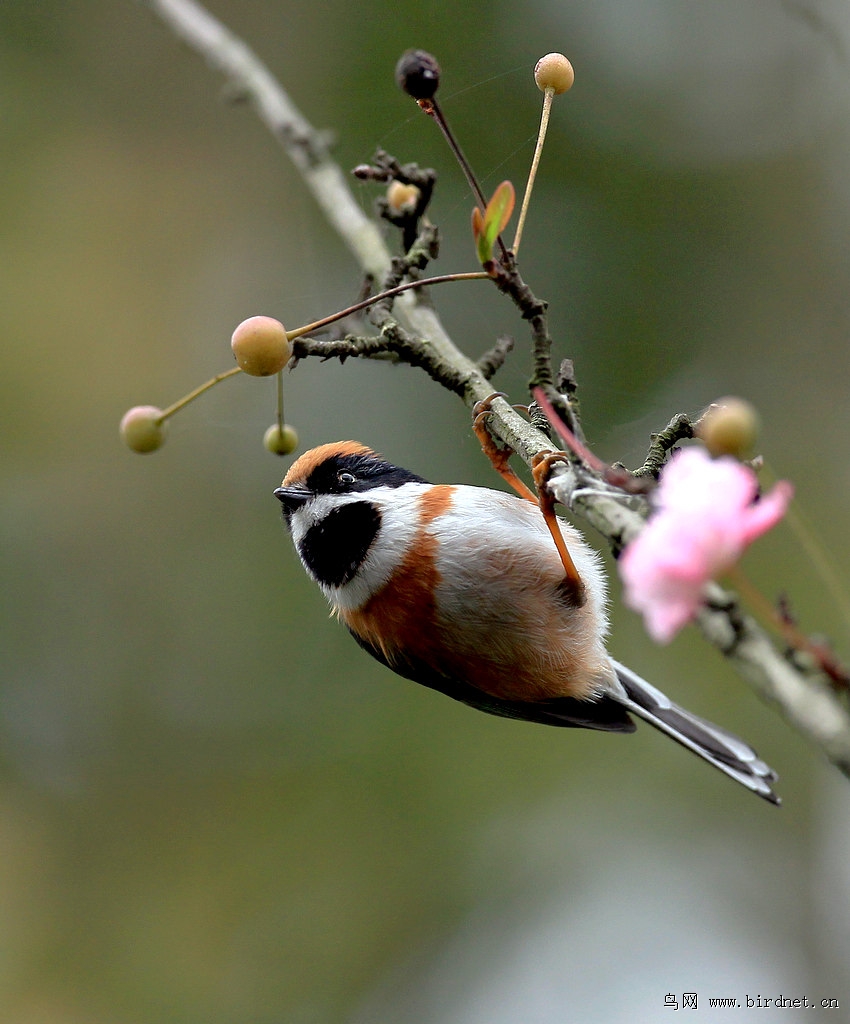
(292, 498)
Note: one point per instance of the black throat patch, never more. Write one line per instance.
(334, 548)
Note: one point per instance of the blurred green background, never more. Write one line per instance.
(214, 809)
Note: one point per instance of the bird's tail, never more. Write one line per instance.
(710, 742)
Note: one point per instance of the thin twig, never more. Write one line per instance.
(494, 358)
(678, 429)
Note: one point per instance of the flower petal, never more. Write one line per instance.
(706, 515)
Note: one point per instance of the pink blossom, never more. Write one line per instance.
(706, 513)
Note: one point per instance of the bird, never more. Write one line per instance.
(460, 588)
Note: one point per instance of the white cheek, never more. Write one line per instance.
(307, 516)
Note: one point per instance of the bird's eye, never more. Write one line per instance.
(346, 479)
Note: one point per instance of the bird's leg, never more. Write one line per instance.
(498, 456)
(573, 585)
(541, 466)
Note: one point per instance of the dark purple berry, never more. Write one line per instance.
(418, 73)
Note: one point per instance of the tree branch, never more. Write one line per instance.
(414, 332)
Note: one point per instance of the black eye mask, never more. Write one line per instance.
(347, 474)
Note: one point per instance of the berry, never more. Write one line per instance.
(729, 427)
(554, 72)
(261, 346)
(143, 428)
(281, 440)
(418, 73)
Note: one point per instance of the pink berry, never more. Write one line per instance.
(261, 346)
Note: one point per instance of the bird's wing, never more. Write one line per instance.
(605, 714)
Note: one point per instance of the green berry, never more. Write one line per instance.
(281, 440)
(143, 428)
(729, 427)
(261, 346)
